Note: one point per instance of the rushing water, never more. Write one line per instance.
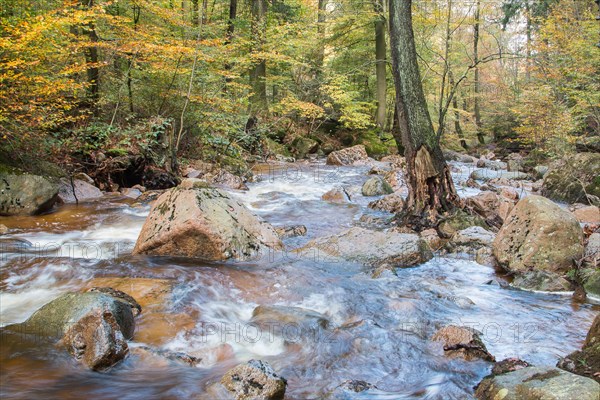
(379, 329)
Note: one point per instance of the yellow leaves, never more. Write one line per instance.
(355, 114)
(291, 105)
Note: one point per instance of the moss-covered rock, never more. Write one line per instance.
(375, 145)
(571, 179)
(26, 194)
(536, 383)
(458, 221)
(303, 146)
(586, 362)
(376, 186)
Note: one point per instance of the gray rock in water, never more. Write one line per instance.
(486, 175)
(92, 326)
(77, 191)
(348, 390)
(55, 318)
(543, 281)
(537, 383)
(368, 247)
(254, 380)
(473, 237)
(450, 155)
(284, 315)
(491, 164)
(376, 186)
(26, 194)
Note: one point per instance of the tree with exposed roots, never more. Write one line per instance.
(431, 190)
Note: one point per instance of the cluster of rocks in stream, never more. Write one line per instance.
(536, 241)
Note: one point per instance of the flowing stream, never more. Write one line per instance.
(379, 329)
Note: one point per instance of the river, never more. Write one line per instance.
(379, 329)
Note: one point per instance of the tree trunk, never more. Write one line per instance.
(477, 111)
(136, 19)
(195, 13)
(258, 73)
(320, 54)
(380, 62)
(232, 17)
(91, 57)
(528, 41)
(229, 36)
(457, 127)
(431, 190)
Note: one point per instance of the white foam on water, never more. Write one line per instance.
(225, 321)
(326, 303)
(101, 242)
(32, 289)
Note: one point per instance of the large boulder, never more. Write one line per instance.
(586, 361)
(254, 380)
(576, 179)
(356, 155)
(538, 236)
(538, 383)
(78, 190)
(24, 194)
(368, 247)
(55, 318)
(376, 186)
(206, 223)
(92, 326)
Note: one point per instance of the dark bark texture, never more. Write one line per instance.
(431, 190)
